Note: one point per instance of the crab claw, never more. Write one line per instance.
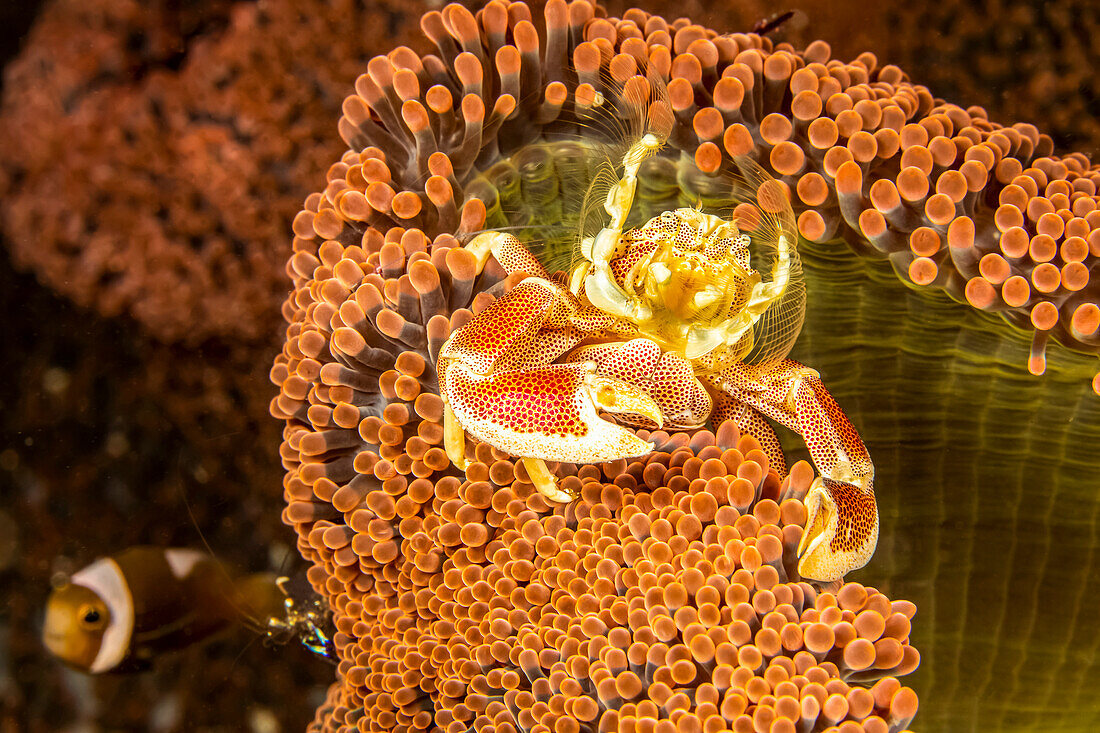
(619, 397)
(665, 377)
(548, 413)
(841, 530)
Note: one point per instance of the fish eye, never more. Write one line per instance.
(90, 617)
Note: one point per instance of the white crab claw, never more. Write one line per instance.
(660, 272)
(707, 296)
(619, 397)
(603, 293)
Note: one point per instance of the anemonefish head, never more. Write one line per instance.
(89, 620)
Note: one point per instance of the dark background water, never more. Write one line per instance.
(97, 453)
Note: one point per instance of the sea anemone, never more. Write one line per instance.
(1033, 62)
(465, 598)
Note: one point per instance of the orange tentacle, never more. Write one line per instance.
(750, 422)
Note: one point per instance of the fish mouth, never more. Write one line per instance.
(55, 641)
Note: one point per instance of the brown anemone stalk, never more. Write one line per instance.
(663, 598)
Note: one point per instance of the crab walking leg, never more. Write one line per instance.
(454, 438)
(545, 481)
(841, 530)
(508, 251)
(794, 395)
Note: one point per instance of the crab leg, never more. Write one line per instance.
(667, 377)
(498, 382)
(842, 524)
(794, 395)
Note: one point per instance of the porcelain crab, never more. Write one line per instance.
(663, 326)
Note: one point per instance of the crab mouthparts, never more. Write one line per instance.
(686, 287)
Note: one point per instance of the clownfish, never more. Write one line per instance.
(122, 611)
